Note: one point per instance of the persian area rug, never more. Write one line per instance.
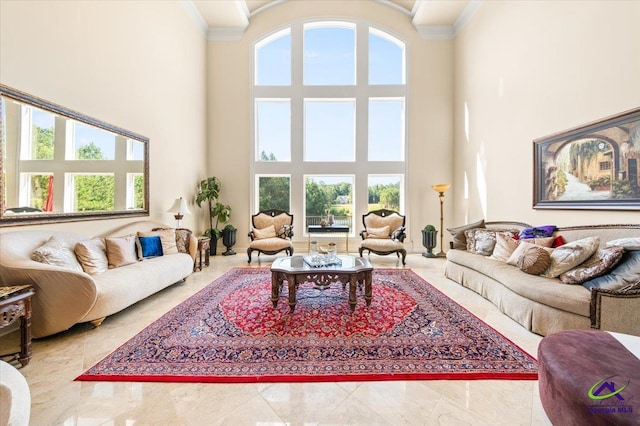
(230, 332)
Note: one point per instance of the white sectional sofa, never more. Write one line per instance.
(547, 305)
(64, 297)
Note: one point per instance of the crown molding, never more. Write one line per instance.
(195, 15)
(466, 15)
(435, 32)
(225, 34)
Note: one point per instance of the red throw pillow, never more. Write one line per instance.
(559, 241)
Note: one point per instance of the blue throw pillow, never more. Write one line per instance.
(627, 272)
(150, 246)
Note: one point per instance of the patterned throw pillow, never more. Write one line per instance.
(534, 260)
(599, 264)
(523, 245)
(482, 241)
(182, 238)
(570, 255)
(628, 244)
(459, 239)
(624, 274)
(56, 252)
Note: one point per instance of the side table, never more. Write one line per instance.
(15, 303)
(204, 244)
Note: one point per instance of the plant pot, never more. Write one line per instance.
(213, 248)
(429, 241)
(229, 239)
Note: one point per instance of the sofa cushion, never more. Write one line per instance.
(92, 256)
(121, 251)
(482, 241)
(459, 239)
(149, 246)
(270, 244)
(570, 255)
(534, 260)
(599, 264)
(382, 244)
(524, 245)
(505, 246)
(56, 252)
(167, 238)
(625, 273)
(626, 243)
(264, 233)
(183, 235)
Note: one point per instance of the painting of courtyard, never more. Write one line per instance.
(601, 165)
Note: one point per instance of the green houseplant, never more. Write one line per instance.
(209, 193)
(429, 240)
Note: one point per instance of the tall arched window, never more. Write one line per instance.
(329, 121)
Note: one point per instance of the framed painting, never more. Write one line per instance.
(594, 166)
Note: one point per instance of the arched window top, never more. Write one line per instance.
(273, 59)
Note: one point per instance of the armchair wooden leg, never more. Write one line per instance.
(249, 254)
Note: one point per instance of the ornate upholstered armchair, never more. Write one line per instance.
(271, 233)
(384, 233)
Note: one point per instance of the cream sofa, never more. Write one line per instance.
(64, 297)
(546, 305)
(15, 397)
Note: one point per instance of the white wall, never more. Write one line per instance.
(429, 105)
(528, 69)
(139, 65)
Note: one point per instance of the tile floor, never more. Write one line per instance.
(58, 400)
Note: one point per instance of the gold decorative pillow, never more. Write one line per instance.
(121, 251)
(56, 252)
(505, 246)
(570, 255)
(534, 260)
(167, 239)
(599, 264)
(378, 232)
(267, 232)
(482, 241)
(92, 255)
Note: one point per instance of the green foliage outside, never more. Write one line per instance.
(42, 149)
(94, 192)
(274, 193)
(623, 189)
(385, 196)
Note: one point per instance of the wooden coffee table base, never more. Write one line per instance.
(322, 280)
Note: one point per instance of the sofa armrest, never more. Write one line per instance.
(193, 246)
(615, 311)
(62, 296)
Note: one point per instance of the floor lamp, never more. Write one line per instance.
(441, 188)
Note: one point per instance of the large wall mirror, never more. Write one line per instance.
(59, 166)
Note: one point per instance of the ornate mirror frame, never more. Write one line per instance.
(9, 153)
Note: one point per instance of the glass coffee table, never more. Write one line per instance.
(295, 270)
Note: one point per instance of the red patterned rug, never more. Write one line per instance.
(230, 332)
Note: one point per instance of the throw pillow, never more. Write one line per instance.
(381, 233)
(537, 231)
(167, 238)
(149, 246)
(625, 273)
(56, 252)
(626, 243)
(505, 246)
(523, 245)
(482, 241)
(459, 239)
(268, 232)
(92, 255)
(599, 264)
(182, 238)
(534, 260)
(121, 251)
(558, 241)
(570, 255)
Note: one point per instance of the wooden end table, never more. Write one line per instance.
(294, 270)
(204, 244)
(15, 304)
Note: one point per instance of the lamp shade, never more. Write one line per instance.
(441, 187)
(179, 207)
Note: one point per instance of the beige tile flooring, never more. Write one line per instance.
(58, 400)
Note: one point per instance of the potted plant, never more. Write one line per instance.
(429, 240)
(209, 192)
(229, 239)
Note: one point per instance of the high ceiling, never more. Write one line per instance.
(228, 19)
